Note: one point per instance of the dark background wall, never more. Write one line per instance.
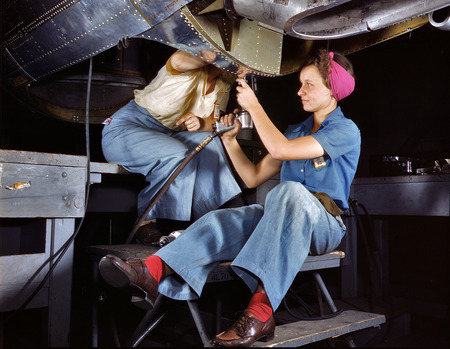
(401, 102)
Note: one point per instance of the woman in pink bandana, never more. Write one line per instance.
(268, 244)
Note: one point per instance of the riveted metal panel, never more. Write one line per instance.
(255, 49)
(71, 35)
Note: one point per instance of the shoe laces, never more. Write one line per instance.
(135, 261)
(241, 325)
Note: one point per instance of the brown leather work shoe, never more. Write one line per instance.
(148, 234)
(245, 331)
(133, 272)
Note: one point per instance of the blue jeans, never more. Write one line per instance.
(265, 244)
(139, 143)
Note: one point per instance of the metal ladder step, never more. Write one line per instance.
(306, 332)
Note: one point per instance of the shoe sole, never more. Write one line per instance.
(116, 277)
(112, 274)
(267, 337)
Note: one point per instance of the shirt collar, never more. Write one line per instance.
(307, 124)
(335, 114)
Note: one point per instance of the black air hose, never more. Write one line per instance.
(166, 185)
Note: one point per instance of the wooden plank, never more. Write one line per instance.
(54, 159)
(34, 184)
(29, 157)
(104, 167)
(305, 332)
(30, 190)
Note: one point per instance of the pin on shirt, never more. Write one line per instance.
(319, 162)
(216, 111)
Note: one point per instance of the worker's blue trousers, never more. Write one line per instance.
(139, 143)
(265, 244)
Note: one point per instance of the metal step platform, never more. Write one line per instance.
(300, 333)
(289, 333)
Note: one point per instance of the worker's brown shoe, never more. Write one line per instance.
(148, 234)
(133, 272)
(245, 331)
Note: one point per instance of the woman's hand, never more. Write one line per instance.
(192, 122)
(228, 120)
(245, 96)
(207, 56)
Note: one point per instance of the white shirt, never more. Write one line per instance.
(172, 94)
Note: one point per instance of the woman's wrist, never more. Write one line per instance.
(255, 109)
(229, 141)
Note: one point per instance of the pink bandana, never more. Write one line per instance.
(342, 83)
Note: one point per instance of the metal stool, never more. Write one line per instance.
(221, 273)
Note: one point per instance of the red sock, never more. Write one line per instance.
(155, 266)
(260, 307)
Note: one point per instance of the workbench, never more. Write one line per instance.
(423, 196)
(41, 196)
(419, 195)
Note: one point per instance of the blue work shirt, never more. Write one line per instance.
(333, 173)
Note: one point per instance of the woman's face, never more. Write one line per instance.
(313, 92)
